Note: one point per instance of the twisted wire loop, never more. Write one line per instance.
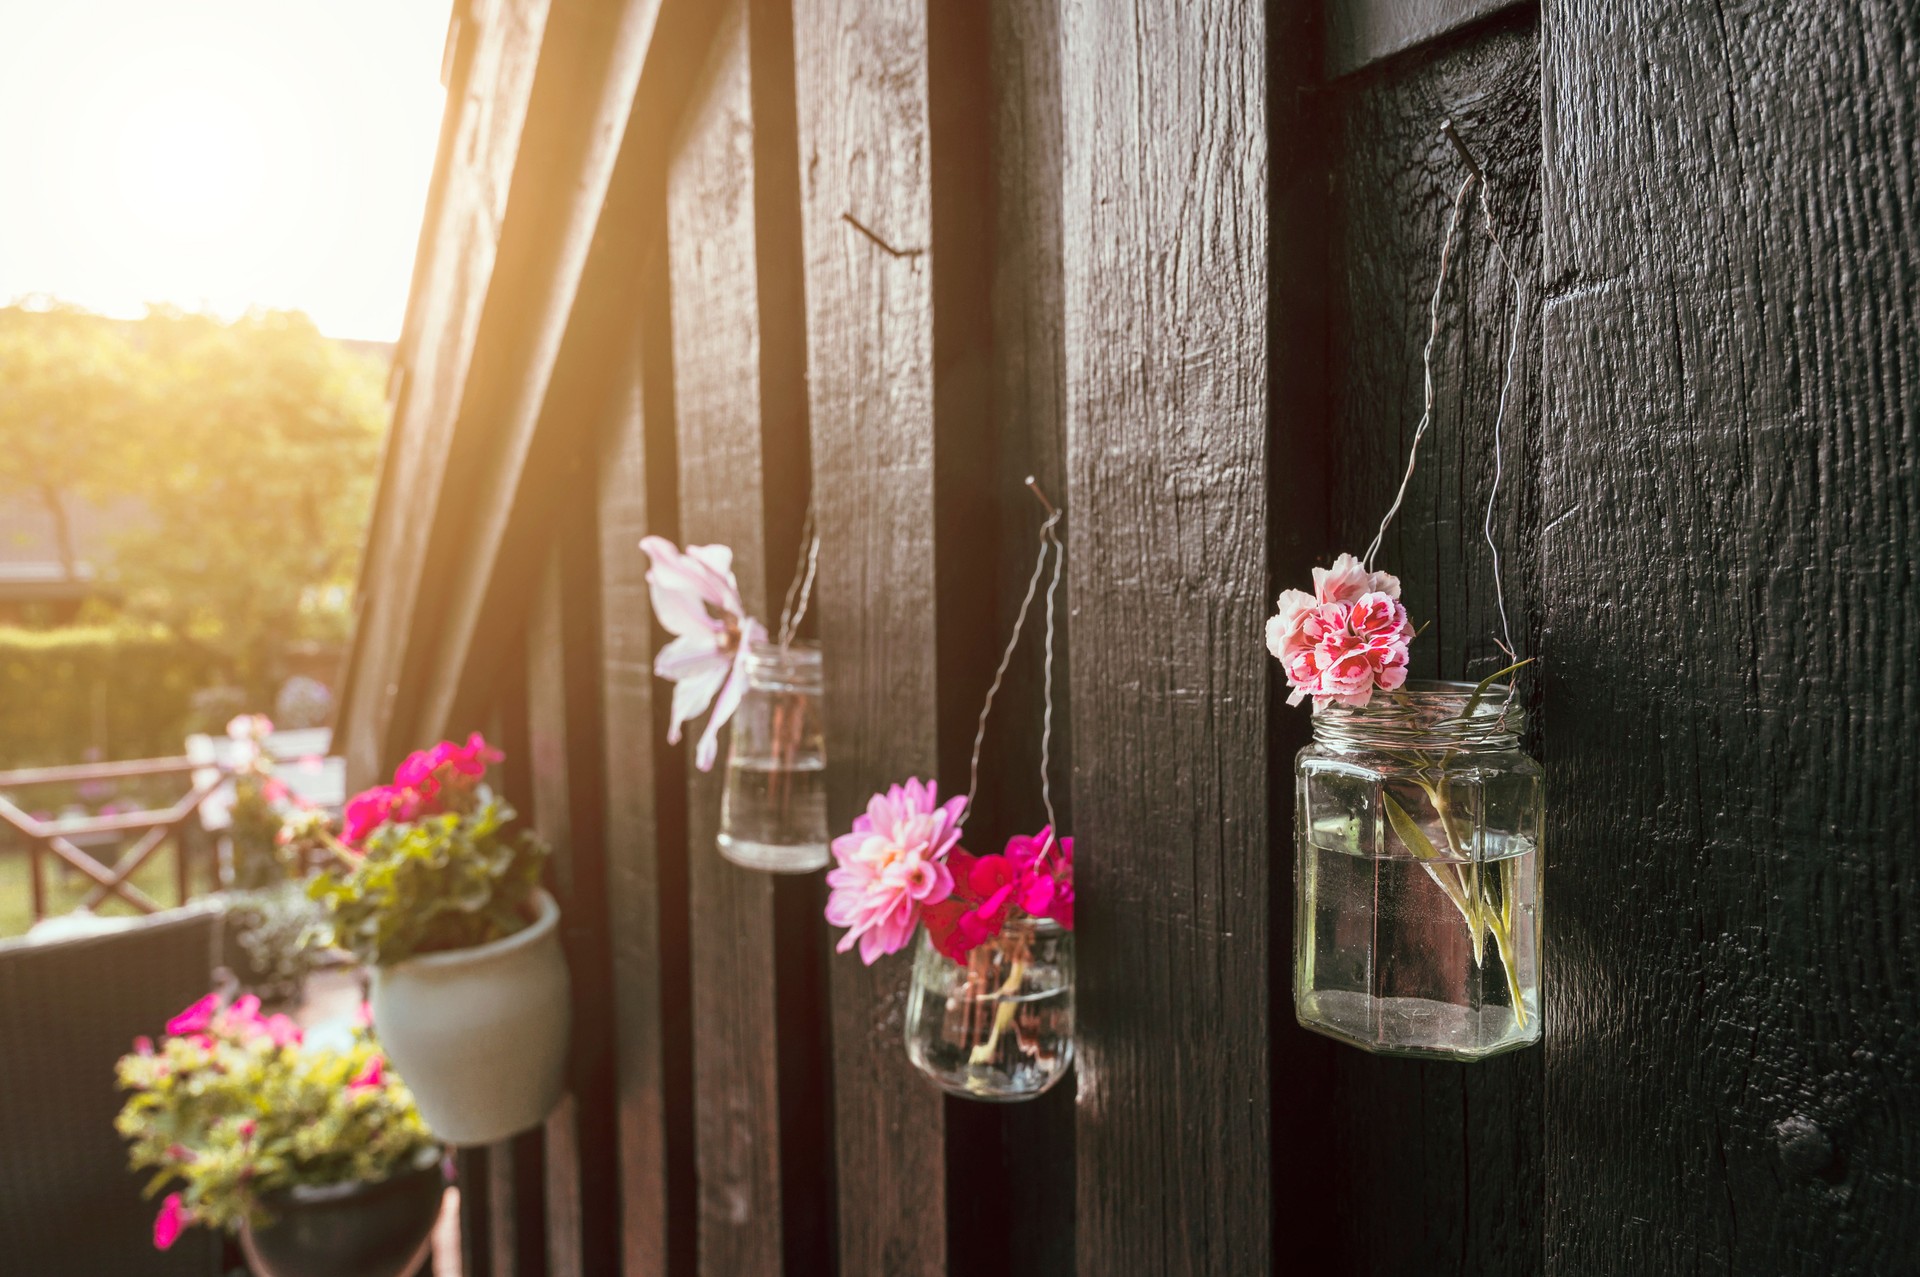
(1515, 329)
(1049, 543)
(800, 587)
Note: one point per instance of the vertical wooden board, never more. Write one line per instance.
(1165, 221)
(861, 82)
(646, 819)
(563, 691)
(1732, 253)
(1461, 1144)
(716, 340)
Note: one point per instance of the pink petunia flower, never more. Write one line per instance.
(170, 1222)
(1344, 641)
(698, 600)
(371, 1075)
(196, 1018)
(892, 866)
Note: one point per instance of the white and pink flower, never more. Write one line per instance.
(698, 600)
(1344, 641)
(892, 866)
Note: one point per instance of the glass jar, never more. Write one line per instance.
(1000, 1026)
(1417, 828)
(773, 805)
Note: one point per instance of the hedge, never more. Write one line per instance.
(127, 690)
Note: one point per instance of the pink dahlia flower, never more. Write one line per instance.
(892, 866)
(698, 601)
(1346, 639)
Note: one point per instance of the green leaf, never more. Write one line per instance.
(1480, 689)
(1408, 830)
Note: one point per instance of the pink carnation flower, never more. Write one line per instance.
(891, 866)
(1346, 639)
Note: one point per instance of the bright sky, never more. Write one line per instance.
(219, 154)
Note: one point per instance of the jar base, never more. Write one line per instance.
(779, 858)
(1418, 1028)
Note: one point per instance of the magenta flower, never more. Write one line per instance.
(1034, 876)
(170, 1222)
(366, 811)
(698, 601)
(1346, 639)
(371, 1075)
(196, 1018)
(892, 866)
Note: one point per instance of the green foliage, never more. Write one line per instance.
(278, 937)
(248, 452)
(255, 825)
(452, 880)
(241, 1111)
(126, 688)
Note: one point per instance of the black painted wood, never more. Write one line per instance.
(1165, 233)
(646, 805)
(1731, 622)
(1439, 1167)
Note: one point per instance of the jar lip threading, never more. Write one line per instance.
(1430, 712)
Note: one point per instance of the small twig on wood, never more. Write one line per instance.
(874, 235)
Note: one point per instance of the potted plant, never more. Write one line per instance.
(430, 888)
(315, 1157)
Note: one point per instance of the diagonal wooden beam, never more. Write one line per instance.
(127, 865)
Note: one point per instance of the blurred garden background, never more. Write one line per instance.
(204, 261)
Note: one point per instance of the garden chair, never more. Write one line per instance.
(69, 1008)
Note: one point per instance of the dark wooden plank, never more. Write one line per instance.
(646, 814)
(1461, 1144)
(861, 79)
(1732, 253)
(564, 715)
(740, 401)
(516, 1168)
(1165, 228)
(476, 1226)
(1361, 32)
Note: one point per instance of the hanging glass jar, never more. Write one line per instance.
(1417, 828)
(998, 1026)
(773, 806)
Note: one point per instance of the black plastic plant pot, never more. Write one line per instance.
(348, 1230)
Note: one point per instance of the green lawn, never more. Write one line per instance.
(67, 888)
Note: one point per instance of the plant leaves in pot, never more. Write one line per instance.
(308, 1146)
(471, 998)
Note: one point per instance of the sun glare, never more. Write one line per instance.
(219, 155)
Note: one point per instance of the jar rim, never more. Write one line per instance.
(800, 652)
(1419, 710)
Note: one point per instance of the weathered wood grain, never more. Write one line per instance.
(1461, 1146)
(1732, 252)
(646, 812)
(1165, 216)
(861, 80)
(740, 404)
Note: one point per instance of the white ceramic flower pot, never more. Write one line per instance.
(480, 1035)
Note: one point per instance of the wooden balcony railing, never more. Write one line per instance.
(65, 839)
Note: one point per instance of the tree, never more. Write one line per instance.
(256, 468)
(244, 453)
(70, 387)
